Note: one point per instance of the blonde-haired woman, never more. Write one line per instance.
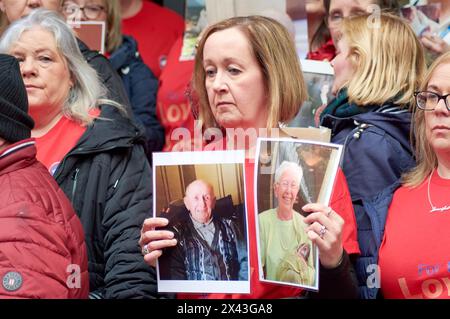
(413, 249)
(377, 69)
(122, 50)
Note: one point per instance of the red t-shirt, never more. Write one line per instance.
(340, 202)
(59, 140)
(53, 146)
(173, 108)
(155, 29)
(414, 257)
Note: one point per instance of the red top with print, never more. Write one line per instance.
(414, 256)
(173, 108)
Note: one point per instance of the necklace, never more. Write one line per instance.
(434, 208)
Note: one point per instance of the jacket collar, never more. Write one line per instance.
(112, 129)
(341, 108)
(17, 156)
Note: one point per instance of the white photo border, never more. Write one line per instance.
(196, 158)
(327, 197)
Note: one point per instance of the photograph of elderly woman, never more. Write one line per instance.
(205, 206)
(290, 174)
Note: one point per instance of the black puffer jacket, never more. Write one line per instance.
(108, 180)
(108, 76)
(141, 86)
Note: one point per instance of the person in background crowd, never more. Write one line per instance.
(95, 152)
(174, 107)
(138, 80)
(415, 216)
(320, 43)
(439, 42)
(376, 73)
(338, 10)
(16, 9)
(155, 29)
(242, 66)
(41, 238)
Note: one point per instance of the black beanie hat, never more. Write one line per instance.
(15, 123)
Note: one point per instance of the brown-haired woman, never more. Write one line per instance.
(247, 76)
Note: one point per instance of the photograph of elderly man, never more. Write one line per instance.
(210, 246)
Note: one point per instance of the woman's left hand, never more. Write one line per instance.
(325, 230)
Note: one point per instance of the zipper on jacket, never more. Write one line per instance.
(75, 179)
(79, 151)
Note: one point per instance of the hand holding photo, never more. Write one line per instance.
(289, 174)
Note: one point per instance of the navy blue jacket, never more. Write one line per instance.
(376, 152)
(375, 210)
(141, 86)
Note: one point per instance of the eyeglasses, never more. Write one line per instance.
(286, 184)
(428, 101)
(336, 18)
(92, 11)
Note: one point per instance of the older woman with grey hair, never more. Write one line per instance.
(91, 147)
(282, 230)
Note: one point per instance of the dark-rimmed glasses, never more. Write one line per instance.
(90, 11)
(428, 101)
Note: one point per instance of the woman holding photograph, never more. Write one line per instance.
(242, 66)
(376, 73)
(122, 50)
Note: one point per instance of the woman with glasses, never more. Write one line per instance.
(139, 82)
(320, 44)
(16, 9)
(337, 10)
(413, 256)
(377, 71)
